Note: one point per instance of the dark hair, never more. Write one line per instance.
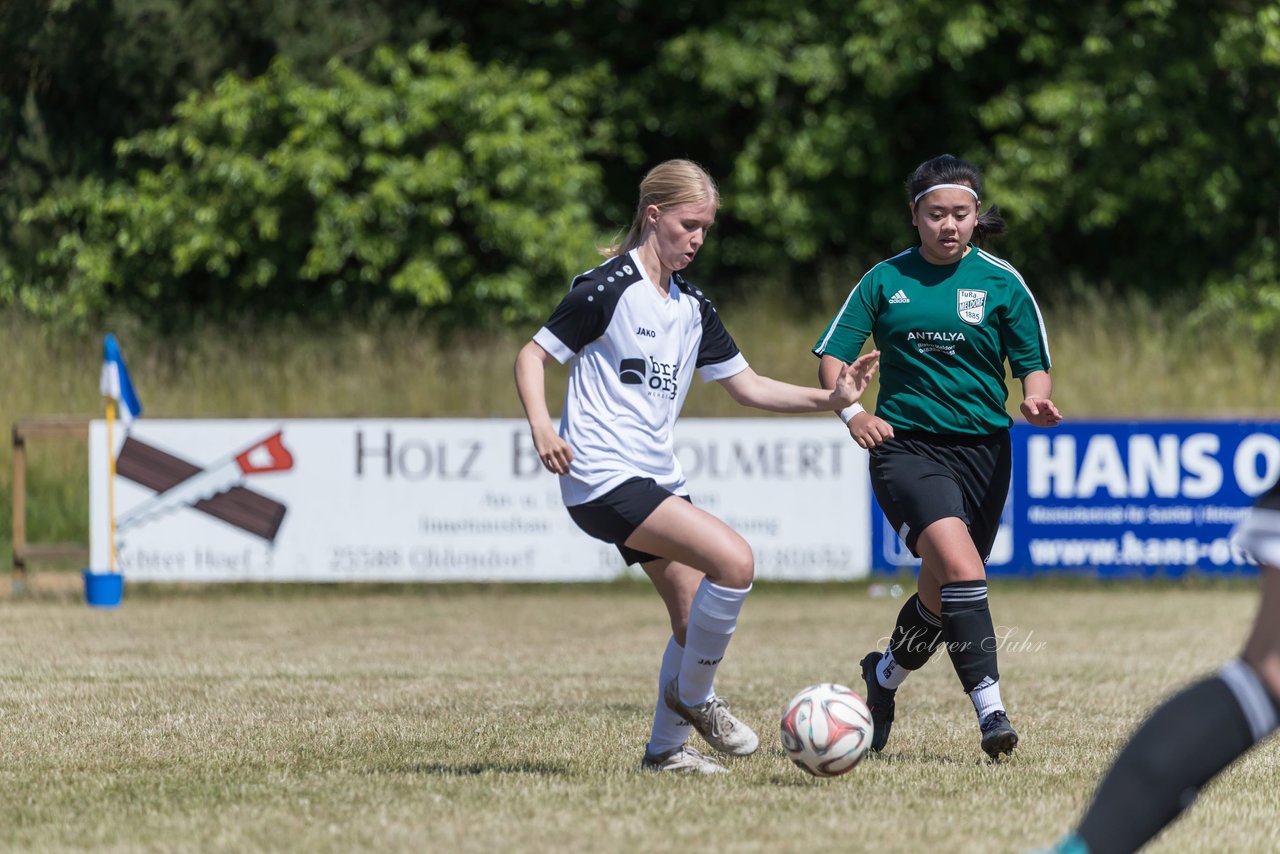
(947, 169)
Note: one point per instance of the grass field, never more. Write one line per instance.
(513, 718)
(509, 718)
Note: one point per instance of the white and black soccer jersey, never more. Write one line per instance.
(636, 352)
(1259, 533)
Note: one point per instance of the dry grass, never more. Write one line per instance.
(1114, 358)
(480, 719)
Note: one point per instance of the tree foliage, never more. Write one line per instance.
(1131, 144)
(1144, 157)
(427, 182)
(78, 75)
(1127, 143)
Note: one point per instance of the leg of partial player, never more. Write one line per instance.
(1186, 742)
(697, 540)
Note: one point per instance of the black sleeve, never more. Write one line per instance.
(717, 345)
(583, 315)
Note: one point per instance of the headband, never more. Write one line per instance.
(924, 193)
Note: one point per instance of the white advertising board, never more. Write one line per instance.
(445, 500)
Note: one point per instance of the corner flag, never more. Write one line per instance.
(115, 383)
(122, 400)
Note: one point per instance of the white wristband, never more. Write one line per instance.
(849, 411)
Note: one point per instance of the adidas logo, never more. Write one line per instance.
(899, 297)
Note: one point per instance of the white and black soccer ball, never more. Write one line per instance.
(826, 729)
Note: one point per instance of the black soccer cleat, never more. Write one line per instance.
(998, 735)
(880, 701)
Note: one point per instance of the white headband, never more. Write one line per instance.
(924, 193)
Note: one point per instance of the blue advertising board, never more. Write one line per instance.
(1119, 498)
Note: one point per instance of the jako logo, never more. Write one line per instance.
(647, 333)
(631, 371)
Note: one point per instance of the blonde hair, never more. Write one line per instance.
(667, 185)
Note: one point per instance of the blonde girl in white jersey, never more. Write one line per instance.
(633, 332)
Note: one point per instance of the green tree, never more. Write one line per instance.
(78, 75)
(1129, 143)
(427, 183)
(1149, 157)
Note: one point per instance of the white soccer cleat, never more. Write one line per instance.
(682, 759)
(713, 722)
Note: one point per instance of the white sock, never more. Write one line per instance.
(669, 729)
(712, 619)
(889, 673)
(1252, 696)
(986, 698)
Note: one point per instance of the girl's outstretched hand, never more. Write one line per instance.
(854, 379)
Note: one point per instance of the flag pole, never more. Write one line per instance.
(111, 483)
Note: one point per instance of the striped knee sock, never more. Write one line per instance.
(1185, 743)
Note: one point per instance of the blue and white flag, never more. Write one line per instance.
(116, 384)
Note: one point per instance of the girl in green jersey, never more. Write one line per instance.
(946, 316)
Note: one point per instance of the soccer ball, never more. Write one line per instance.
(826, 729)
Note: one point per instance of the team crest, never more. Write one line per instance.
(971, 305)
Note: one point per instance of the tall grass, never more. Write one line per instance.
(1113, 358)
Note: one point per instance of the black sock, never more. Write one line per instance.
(967, 629)
(1183, 745)
(916, 636)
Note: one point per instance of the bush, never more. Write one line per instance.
(1246, 306)
(426, 182)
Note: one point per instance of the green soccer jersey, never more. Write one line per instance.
(944, 333)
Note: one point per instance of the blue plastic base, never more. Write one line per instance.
(103, 589)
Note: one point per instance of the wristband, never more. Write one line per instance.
(849, 411)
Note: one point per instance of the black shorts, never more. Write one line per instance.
(614, 516)
(919, 478)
